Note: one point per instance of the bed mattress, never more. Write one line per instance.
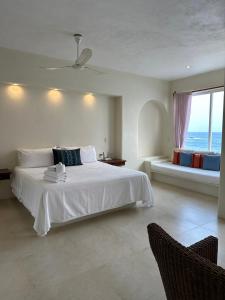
(90, 188)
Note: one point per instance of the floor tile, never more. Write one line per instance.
(107, 257)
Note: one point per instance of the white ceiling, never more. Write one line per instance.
(155, 38)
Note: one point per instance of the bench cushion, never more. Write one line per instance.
(176, 157)
(186, 159)
(193, 174)
(211, 162)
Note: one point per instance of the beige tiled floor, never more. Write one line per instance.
(105, 258)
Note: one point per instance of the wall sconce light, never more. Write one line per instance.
(89, 99)
(15, 91)
(55, 96)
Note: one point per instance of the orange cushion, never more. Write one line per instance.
(176, 157)
(197, 160)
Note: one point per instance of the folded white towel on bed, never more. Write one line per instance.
(55, 176)
(55, 180)
(56, 173)
(58, 169)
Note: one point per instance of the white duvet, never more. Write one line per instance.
(89, 189)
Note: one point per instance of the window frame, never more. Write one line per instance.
(210, 92)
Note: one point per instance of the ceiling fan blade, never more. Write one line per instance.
(85, 55)
(55, 68)
(92, 69)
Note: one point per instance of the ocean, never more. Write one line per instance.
(199, 141)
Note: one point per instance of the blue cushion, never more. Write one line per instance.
(211, 162)
(186, 159)
(67, 157)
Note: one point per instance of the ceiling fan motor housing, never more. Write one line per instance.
(78, 37)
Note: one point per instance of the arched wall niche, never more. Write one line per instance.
(152, 129)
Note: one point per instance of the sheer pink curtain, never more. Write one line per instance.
(182, 112)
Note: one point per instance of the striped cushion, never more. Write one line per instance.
(67, 157)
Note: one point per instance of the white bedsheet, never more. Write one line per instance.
(194, 174)
(89, 189)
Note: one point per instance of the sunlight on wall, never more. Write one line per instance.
(55, 96)
(89, 99)
(15, 91)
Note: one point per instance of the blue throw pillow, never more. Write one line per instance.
(186, 159)
(67, 157)
(211, 162)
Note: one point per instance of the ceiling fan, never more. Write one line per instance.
(81, 59)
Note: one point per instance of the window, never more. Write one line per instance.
(205, 127)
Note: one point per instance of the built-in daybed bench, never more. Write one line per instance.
(196, 179)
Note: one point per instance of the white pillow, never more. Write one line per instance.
(31, 158)
(69, 147)
(88, 154)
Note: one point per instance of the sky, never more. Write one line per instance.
(199, 121)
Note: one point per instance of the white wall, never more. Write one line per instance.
(34, 117)
(152, 132)
(198, 82)
(134, 91)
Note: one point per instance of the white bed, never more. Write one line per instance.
(90, 188)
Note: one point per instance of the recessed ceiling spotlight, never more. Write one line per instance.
(188, 67)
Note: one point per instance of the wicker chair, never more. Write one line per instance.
(188, 273)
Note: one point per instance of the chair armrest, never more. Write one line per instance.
(207, 248)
